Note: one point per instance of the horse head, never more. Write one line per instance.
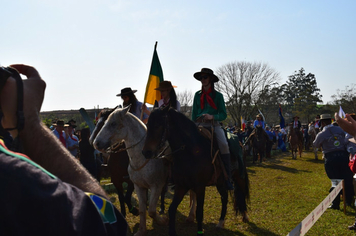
(102, 117)
(114, 130)
(157, 131)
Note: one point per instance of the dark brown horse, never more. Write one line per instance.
(118, 162)
(259, 142)
(192, 165)
(295, 141)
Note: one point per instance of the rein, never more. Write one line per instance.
(124, 149)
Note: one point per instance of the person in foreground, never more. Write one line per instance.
(209, 105)
(349, 126)
(46, 191)
(332, 140)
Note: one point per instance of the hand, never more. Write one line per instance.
(349, 125)
(208, 117)
(33, 89)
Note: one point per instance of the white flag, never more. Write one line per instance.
(341, 113)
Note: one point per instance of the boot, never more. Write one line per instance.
(227, 164)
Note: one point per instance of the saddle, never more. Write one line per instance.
(237, 162)
(215, 155)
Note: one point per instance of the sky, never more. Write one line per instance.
(87, 51)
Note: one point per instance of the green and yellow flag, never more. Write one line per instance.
(155, 77)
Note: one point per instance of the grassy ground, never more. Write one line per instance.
(283, 193)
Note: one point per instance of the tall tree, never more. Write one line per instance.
(346, 98)
(242, 83)
(302, 94)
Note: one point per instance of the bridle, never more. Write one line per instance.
(164, 140)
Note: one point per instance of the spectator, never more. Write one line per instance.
(72, 140)
(87, 156)
(60, 133)
(333, 142)
(270, 143)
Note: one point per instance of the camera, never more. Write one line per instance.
(5, 73)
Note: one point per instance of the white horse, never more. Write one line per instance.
(312, 135)
(146, 174)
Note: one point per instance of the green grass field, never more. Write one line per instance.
(283, 193)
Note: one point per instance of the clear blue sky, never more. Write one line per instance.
(87, 51)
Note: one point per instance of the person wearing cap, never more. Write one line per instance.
(333, 142)
(129, 98)
(72, 140)
(209, 109)
(60, 133)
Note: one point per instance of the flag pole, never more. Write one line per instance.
(144, 101)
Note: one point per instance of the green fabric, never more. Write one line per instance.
(23, 158)
(219, 113)
(236, 152)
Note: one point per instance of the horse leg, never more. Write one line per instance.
(224, 198)
(200, 209)
(179, 193)
(120, 193)
(163, 196)
(142, 202)
(193, 207)
(130, 188)
(152, 208)
(315, 153)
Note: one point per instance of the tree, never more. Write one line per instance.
(242, 83)
(185, 99)
(302, 94)
(346, 98)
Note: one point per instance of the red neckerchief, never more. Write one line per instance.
(71, 136)
(61, 138)
(208, 99)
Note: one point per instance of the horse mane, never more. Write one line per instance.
(106, 112)
(186, 126)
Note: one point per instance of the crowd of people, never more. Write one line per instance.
(55, 179)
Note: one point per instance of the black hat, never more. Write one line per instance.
(207, 71)
(126, 91)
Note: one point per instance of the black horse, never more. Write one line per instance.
(192, 164)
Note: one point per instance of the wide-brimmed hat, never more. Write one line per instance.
(207, 71)
(126, 91)
(325, 116)
(60, 123)
(164, 85)
(295, 117)
(70, 125)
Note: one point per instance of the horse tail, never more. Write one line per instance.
(241, 194)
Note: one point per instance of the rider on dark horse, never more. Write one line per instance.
(208, 110)
(258, 122)
(296, 126)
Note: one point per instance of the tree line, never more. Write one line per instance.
(252, 87)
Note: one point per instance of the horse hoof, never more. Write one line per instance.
(135, 211)
(162, 221)
(245, 218)
(221, 224)
(190, 219)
